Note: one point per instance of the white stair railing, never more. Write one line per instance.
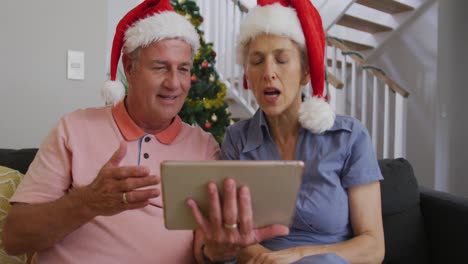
(386, 116)
(221, 27)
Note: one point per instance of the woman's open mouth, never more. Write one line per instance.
(271, 94)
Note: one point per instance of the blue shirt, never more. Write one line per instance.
(334, 160)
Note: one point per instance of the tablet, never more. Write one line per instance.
(274, 186)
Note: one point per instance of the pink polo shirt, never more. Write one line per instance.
(72, 155)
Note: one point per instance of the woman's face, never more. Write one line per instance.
(274, 74)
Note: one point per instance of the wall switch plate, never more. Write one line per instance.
(75, 65)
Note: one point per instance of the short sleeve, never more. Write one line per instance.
(361, 166)
(49, 175)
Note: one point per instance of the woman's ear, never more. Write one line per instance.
(305, 78)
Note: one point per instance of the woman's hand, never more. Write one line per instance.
(229, 226)
(277, 257)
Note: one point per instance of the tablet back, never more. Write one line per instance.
(274, 186)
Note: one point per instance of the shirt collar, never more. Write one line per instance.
(258, 129)
(132, 131)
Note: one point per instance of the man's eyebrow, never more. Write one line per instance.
(163, 62)
(187, 63)
(159, 61)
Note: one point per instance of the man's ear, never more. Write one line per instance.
(127, 65)
(305, 79)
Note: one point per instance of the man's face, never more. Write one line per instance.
(159, 81)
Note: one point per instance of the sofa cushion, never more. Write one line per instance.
(17, 159)
(9, 180)
(405, 240)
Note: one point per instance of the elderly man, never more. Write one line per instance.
(92, 193)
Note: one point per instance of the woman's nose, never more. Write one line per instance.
(269, 74)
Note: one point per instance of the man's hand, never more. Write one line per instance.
(105, 195)
(228, 229)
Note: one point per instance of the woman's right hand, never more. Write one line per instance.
(229, 226)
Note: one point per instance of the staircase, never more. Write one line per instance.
(356, 30)
(366, 25)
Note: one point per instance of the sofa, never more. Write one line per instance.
(421, 225)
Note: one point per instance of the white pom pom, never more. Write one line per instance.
(316, 115)
(112, 92)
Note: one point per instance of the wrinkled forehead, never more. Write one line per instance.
(271, 42)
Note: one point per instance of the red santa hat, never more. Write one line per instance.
(301, 22)
(150, 21)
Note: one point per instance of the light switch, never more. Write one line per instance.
(75, 65)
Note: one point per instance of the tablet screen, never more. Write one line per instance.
(274, 186)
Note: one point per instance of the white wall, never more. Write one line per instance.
(34, 90)
(410, 58)
(452, 94)
(429, 57)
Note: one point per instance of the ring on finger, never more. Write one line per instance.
(230, 226)
(124, 198)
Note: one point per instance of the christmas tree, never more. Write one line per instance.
(205, 104)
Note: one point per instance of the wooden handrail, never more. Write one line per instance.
(392, 84)
(334, 81)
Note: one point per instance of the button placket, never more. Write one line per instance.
(145, 147)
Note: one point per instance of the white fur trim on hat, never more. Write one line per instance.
(112, 92)
(270, 19)
(160, 26)
(316, 115)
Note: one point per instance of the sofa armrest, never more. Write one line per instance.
(446, 225)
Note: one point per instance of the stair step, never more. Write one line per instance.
(362, 24)
(356, 46)
(387, 6)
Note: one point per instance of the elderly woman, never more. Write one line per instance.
(338, 211)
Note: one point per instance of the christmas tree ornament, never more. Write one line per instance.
(227, 111)
(231, 122)
(207, 93)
